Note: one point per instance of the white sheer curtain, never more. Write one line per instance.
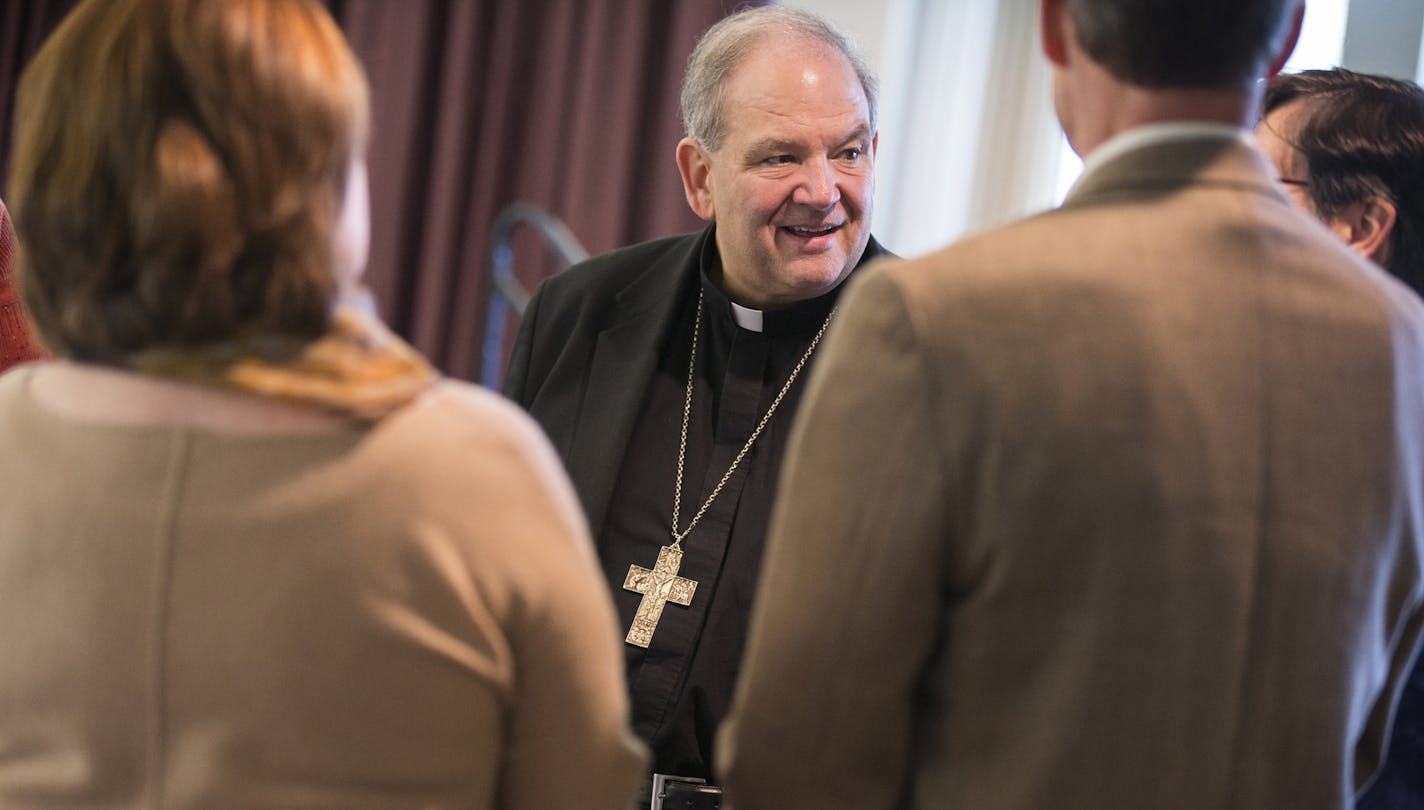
(968, 136)
(1322, 37)
(968, 139)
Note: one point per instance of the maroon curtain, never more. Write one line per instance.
(24, 24)
(567, 104)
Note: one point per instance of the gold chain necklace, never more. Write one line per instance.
(662, 584)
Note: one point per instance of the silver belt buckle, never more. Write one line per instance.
(660, 783)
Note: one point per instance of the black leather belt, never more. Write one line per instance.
(683, 793)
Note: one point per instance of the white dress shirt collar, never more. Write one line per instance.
(1153, 134)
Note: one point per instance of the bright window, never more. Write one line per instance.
(1322, 41)
(1322, 38)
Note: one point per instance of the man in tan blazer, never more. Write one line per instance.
(1116, 507)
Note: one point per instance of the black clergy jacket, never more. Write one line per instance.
(583, 364)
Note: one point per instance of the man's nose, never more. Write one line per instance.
(818, 186)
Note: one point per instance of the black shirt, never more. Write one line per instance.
(681, 685)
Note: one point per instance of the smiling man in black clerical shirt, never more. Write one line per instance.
(667, 373)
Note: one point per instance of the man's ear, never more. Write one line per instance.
(1278, 62)
(1377, 222)
(1366, 226)
(696, 167)
(1055, 42)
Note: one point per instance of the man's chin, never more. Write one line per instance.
(814, 276)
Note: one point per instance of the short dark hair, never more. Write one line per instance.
(1182, 43)
(1362, 135)
(178, 171)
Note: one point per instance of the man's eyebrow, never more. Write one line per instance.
(860, 133)
(772, 145)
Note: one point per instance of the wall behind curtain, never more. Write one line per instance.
(568, 104)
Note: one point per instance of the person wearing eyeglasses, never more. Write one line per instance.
(1349, 148)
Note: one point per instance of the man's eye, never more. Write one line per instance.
(852, 153)
(778, 160)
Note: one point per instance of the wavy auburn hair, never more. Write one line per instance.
(178, 171)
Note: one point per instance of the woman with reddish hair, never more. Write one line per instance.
(254, 550)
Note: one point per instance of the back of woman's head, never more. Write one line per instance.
(178, 170)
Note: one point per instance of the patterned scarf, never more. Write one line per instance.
(359, 369)
(17, 345)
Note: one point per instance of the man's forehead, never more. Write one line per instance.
(1284, 122)
(783, 87)
(1289, 114)
(755, 126)
(780, 63)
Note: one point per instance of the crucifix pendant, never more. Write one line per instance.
(658, 587)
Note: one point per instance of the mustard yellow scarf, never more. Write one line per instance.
(359, 369)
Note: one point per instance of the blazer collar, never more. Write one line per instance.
(1169, 166)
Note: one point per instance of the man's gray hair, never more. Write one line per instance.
(722, 48)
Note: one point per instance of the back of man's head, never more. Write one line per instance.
(1182, 43)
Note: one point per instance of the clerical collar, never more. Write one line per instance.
(746, 317)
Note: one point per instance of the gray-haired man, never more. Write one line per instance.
(667, 373)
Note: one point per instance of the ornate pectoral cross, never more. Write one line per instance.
(658, 587)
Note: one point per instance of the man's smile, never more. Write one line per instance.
(811, 236)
